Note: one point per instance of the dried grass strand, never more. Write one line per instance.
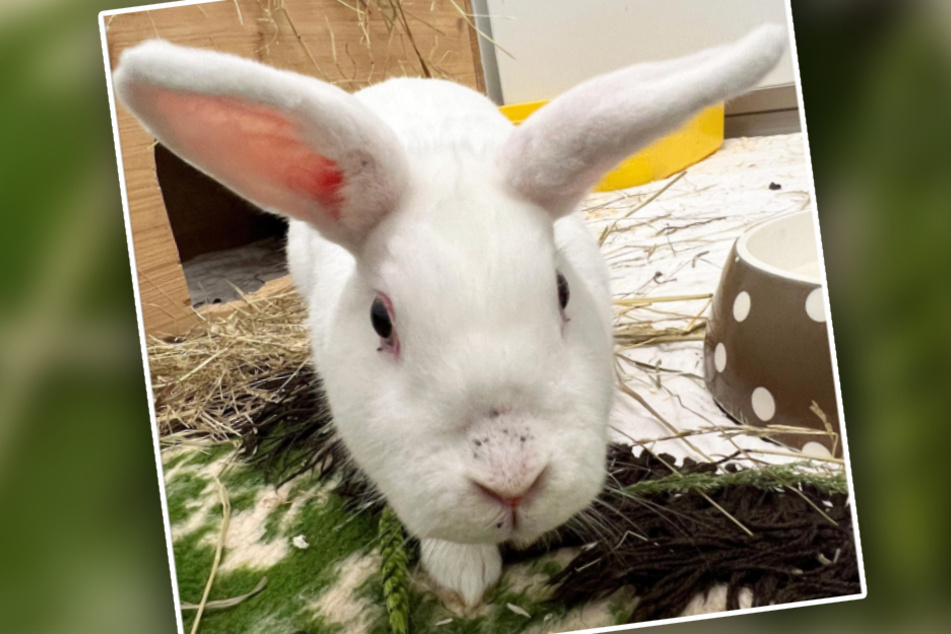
(222, 604)
(219, 548)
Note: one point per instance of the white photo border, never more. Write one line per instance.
(104, 16)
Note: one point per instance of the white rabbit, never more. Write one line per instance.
(460, 313)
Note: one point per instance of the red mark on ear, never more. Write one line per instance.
(255, 149)
(320, 178)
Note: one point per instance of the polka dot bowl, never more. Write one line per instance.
(766, 349)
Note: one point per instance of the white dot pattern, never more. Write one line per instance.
(816, 450)
(764, 406)
(719, 357)
(741, 306)
(815, 307)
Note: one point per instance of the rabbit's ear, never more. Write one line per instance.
(290, 144)
(562, 150)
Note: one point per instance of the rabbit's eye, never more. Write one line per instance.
(562, 291)
(380, 318)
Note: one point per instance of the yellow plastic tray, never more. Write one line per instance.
(697, 139)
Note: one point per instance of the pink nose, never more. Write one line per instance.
(512, 494)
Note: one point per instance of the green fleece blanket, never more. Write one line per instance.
(302, 558)
(322, 562)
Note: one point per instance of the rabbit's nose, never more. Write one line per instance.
(512, 492)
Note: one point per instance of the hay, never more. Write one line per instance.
(212, 381)
(219, 548)
(224, 604)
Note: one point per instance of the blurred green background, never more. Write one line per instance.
(81, 541)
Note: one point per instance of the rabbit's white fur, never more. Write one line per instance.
(420, 191)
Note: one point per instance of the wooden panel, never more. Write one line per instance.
(350, 44)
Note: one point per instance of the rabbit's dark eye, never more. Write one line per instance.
(380, 318)
(562, 291)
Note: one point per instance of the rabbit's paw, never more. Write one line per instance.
(465, 569)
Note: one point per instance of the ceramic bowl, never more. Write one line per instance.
(766, 350)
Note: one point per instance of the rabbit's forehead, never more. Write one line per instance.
(467, 256)
(452, 254)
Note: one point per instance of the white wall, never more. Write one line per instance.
(558, 43)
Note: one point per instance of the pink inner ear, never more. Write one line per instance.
(253, 149)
